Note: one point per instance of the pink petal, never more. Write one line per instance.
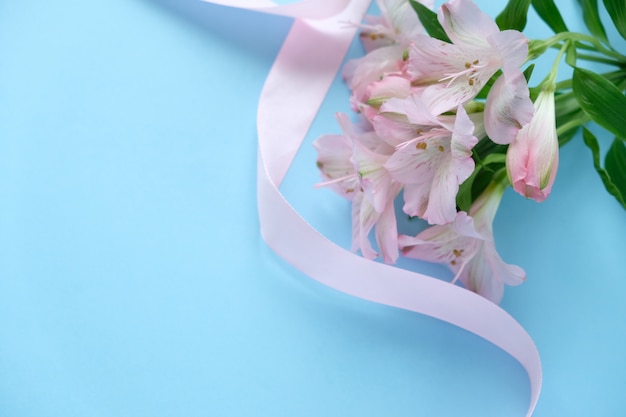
(387, 234)
(361, 72)
(413, 106)
(334, 162)
(462, 142)
(479, 278)
(511, 47)
(393, 85)
(442, 199)
(441, 97)
(363, 219)
(416, 198)
(508, 107)
(465, 24)
(431, 59)
(394, 129)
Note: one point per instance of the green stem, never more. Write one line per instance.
(578, 38)
(572, 124)
(566, 103)
(550, 81)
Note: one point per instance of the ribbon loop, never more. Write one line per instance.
(307, 64)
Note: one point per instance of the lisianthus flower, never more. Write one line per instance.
(432, 165)
(353, 165)
(455, 72)
(532, 159)
(397, 24)
(467, 247)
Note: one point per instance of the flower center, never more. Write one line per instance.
(469, 72)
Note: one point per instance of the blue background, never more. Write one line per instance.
(134, 282)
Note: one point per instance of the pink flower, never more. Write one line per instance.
(397, 24)
(467, 247)
(456, 72)
(533, 157)
(334, 153)
(433, 164)
(353, 165)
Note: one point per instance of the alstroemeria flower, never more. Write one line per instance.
(467, 247)
(532, 159)
(455, 72)
(353, 165)
(334, 160)
(432, 165)
(397, 24)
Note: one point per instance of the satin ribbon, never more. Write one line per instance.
(293, 92)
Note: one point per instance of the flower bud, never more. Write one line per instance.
(533, 157)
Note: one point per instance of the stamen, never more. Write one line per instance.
(469, 69)
(335, 181)
(458, 274)
(432, 133)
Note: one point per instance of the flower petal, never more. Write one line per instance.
(511, 47)
(387, 234)
(465, 24)
(363, 219)
(508, 107)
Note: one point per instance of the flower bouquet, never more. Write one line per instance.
(451, 113)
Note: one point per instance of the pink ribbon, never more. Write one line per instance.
(294, 90)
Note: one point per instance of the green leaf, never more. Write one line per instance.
(614, 190)
(487, 87)
(617, 11)
(573, 119)
(464, 196)
(514, 15)
(601, 100)
(592, 19)
(468, 190)
(429, 21)
(570, 56)
(615, 165)
(549, 13)
(528, 72)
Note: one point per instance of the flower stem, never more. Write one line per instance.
(580, 40)
(572, 124)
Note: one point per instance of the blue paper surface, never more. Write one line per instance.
(134, 282)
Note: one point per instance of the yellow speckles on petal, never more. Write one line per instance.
(441, 148)
(421, 146)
